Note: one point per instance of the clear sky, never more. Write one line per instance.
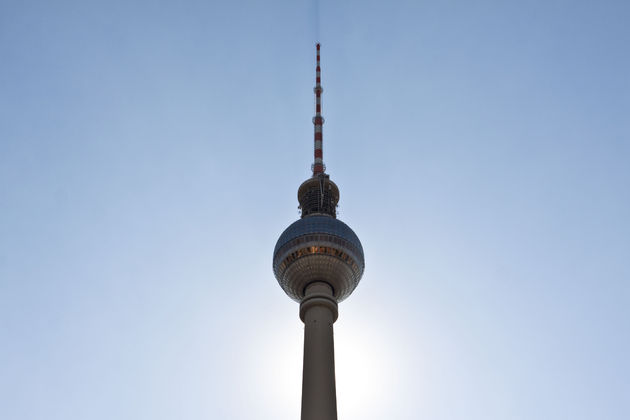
(150, 154)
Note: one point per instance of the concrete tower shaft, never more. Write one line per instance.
(319, 311)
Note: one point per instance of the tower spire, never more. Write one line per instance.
(318, 121)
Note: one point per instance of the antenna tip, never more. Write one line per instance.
(317, 45)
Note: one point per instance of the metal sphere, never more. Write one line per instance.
(318, 248)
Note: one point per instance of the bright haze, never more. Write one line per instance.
(150, 154)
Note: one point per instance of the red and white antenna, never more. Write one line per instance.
(318, 122)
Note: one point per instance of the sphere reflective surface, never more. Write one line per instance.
(318, 248)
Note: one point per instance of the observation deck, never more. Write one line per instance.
(318, 248)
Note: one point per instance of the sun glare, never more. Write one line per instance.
(365, 368)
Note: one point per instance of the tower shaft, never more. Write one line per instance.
(319, 311)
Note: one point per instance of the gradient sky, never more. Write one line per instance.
(150, 154)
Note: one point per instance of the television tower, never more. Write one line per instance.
(318, 261)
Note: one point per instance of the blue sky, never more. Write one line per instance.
(150, 154)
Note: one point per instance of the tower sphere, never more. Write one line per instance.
(318, 247)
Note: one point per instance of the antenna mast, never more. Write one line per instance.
(318, 121)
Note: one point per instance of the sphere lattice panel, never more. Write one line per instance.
(318, 248)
